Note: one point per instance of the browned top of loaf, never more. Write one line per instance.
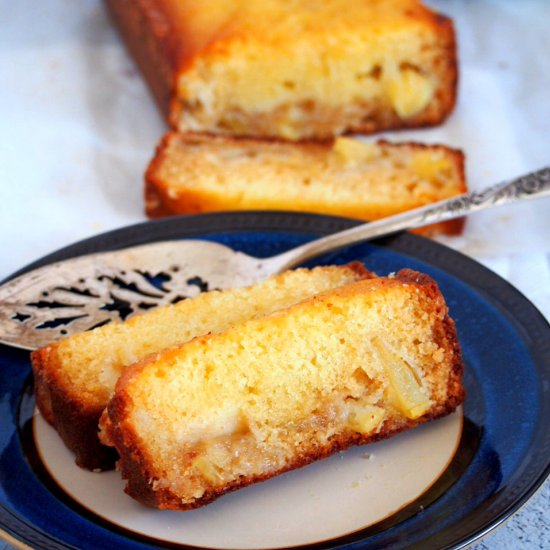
(190, 28)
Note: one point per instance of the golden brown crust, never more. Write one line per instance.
(139, 469)
(358, 268)
(160, 202)
(156, 205)
(149, 36)
(445, 336)
(75, 419)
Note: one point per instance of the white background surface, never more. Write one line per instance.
(78, 127)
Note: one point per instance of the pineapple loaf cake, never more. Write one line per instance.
(348, 366)
(194, 173)
(293, 69)
(75, 377)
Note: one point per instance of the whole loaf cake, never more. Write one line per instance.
(348, 366)
(293, 69)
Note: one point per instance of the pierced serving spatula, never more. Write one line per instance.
(74, 295)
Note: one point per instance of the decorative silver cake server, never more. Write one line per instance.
(88, 291)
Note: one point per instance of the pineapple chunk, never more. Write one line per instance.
(352, 151)
(405, 391)
(409, 92)
(206, 469)
(365, 419)
(429, 166)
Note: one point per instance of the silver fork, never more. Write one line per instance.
(71, 296)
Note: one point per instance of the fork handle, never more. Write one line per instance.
(529, 186)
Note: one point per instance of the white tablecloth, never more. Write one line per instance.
(78, 127)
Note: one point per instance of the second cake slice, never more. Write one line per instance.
(348, 366)
(347, 177)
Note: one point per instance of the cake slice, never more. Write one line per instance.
(75, 377)
(348, 366)
(267, 68)
(346, 177)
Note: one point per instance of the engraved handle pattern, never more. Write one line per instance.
(530, 186)
(536, 184)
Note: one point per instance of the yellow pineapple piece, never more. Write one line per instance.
(405, 391)
(429, 165)
(366, 419)
(409, 92)
(206, 469)
(352, 151)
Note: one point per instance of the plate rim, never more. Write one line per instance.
(404, 243)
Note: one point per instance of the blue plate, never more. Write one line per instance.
(504, 453)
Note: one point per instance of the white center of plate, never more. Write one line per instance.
(331, 498)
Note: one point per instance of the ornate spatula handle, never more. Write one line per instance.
(533, 185)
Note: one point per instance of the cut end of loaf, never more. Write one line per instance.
(360, 67)
(349, 366)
